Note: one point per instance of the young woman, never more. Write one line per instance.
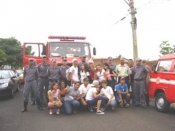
(110, 75)
(83, 73)
(71, 99)
(63, 88)
(92, 73)
(54, 98)
(101, 75)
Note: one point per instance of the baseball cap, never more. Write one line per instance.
(30, 59)
(64, 58)
(53, 60)
(94, 83)
(74, 60)
(122, 78)
(138, 59)
(83, 56)
(109, 58)
(44, 56)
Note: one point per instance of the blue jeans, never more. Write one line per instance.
(93, 101)
(105, 101)
(70, 105)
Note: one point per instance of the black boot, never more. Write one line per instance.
(39, 105)
(25, 106)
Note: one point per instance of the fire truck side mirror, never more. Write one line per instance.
(44, 50)
(94, 51)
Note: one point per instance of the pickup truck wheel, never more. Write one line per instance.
(162, 105)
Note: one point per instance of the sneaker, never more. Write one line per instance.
(126, 105)
(58, 112)
(103, 109)
(50, 112)
(90, 109)
(100, 112)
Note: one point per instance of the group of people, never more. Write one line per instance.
(85, 85)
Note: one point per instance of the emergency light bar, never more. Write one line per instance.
(67, 37)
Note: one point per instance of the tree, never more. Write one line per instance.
(13, 50)
(2, 56)
(165, 48)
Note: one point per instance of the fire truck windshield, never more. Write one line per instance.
(69, 49)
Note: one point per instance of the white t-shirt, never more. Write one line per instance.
(108, 92)
(74, 71)
(84, 89)
(101, 75)
(83, 75)
(90, 93)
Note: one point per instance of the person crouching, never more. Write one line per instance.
(54, 98)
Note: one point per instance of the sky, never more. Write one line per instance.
(35, 20)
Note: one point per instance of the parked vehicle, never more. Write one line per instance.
(20, 76)
(8, 83)
(162, 83)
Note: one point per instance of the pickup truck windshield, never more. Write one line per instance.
(69, 49)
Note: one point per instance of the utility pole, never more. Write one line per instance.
(133, 26)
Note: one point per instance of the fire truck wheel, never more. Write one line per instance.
(162, 105)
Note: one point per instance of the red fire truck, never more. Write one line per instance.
(162, 83)
(58, 47)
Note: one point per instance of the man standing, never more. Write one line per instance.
(112, 67)
(82, 62)
(63, 69)
(53, 73)
(131, 85)
(73, 71)
(43, 79)
(140, 73)
(147, 81)
(30, 77)
(123, 70)
(32, 97)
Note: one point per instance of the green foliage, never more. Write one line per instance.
(2, 56)
(29, 51)
(13, 50)
(165, 48)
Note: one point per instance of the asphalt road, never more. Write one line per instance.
(123, 119)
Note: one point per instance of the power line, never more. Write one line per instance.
(121, 19)
(145, 4)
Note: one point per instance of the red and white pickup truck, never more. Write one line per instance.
(162, 83)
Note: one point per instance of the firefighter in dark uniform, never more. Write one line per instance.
(63, 69)
(32, 97)
(30, 77)
(53, 73)
(43, 79)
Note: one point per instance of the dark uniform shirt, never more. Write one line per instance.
(63, 72)
(53, 73)
(140, 72)
(30, 73)
(112, 66)
(42, 69)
